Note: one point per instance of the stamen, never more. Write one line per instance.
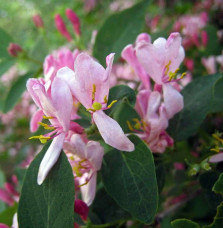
(46, 126)
(105, 99)
(215, 149)
(183, 75)
(167, 68)
(129, 126)
(215, 136)
(76, 170)
(113, 102)
(43, 139)
(48, 117)
(138, 124)
(93, 92)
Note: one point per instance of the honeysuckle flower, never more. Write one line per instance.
(74, 19)
(50, 106)
(154, 121)
(161, 61)
(38, 21)
(14, 49)
(85, 160)
(90, 85)
(61, 27)
(129, 54)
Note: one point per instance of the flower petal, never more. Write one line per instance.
(216, 158)
(50, 158)
(173, 100)
(37, 117)
(88, 191)
(111, 132)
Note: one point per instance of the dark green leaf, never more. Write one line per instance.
(5, 39)
(184, 223)
(16, 91)
(119, 93)
(218, 219)
(199, 100)
(5, 65)
(6, 216)
(119, 30)
(130, 179)
(51, 204)
(218, 186)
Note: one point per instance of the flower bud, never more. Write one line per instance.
(194, 170)
(14, 49)
(73, 18)
(81, 208)
(61, 27)
(38, 21)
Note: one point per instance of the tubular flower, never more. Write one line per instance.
(85, 160)
(161, 61)
(90, 85)
(50, 107)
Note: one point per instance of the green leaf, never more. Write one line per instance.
(199, 100)
(16, 91)
(5, 39)
(5, 65)
(6, 216)
(120, 93)
(184, 223)
(130, 179)
(218, 186)
(218, 219)
(119, 30)
(50, 205)
(123, 113)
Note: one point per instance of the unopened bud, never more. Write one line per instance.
(194, 170)
(74, 19)
(14, 49)
(62, 27)
(81, 208)
(38, 21)
(189, 63)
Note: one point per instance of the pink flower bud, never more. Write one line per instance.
(72, 16)
(38, 21)
(189, 63)
(204, 38)
(62, 27)
(14, 49)
(81, 208)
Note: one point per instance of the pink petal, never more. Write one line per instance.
(143, 37)
(5, 197)
(94, 153)
(173, 100)
(109, 62)
(37, 117)
(173, 45)
(111, 132)
(62, 101)
(216, 158)
(142, 102)
(3, 225)
(50, 157)
(88, 191)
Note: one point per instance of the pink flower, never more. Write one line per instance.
(62, 27)
(210, 64)
(81, 208)
(85, 160)
(56, 106)
(161, 61)
(216, 158)
(154, 121)
(72, 16)
(90, 85)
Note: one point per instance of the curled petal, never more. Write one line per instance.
(111, 132)
(109, 62)
(173, 100)
(50, 158)
(37, 117)
(216, 158)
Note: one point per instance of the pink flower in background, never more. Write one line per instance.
(90, 85)
(81, 208)
(58, 59)
(14, 49)
(210, 64)
(86, 160)
(50, 106)
(161, 61)
(61, 27)
(38, 21)
(8, 194)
